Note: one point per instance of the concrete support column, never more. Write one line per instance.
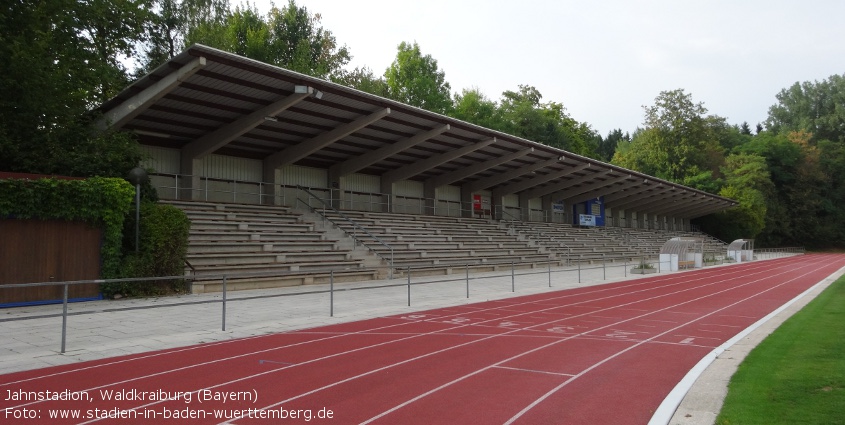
(466, 202)
(524, 209)
(190, 185)
(430, 195)
(273, 189)
(387, 199)
(339, 198)
(336, 185)
(546, 205)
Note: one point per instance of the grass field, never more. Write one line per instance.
(797, 374)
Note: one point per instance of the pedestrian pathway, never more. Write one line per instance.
(107, 328)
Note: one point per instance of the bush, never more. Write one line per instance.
(163, 247)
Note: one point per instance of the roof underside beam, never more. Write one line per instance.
(646, 203)
(697, 208)
(574, 191)
(209, 143)
(363, 161)
(536, 192)
(691, 211)
(676, 204)
(500, 178)
(622, 200)
(465, 172)
(303, 149)
(599, 191)
(532, 182)
(429, 163)
(118, 116)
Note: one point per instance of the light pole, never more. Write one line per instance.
(137, 176)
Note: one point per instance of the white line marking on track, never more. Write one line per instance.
(577, 336)
(697, 336)
(554, 390)
(533, 371)
(650, 285)
(671, 282)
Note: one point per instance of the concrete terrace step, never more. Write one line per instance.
(222, 206)
(272, 237)
(275, 247)
(218, 258)
(256, 226)
(474, 253)
(214, 270)
(462, 261)
(241, 216)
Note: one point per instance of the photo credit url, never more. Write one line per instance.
(35, 405)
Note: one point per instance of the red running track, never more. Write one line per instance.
(603, 354)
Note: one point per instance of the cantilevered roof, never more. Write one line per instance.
(206, 101)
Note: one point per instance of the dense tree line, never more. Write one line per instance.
(59, 59)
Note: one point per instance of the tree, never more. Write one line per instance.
(290, 37)
(522, 114)
(243, 32)
(817, 107)
(58, 61)
(472, 106)
(678, 141)
(607, 146)
(363, 78)
(416, 80)
(747, 180)
(169, 25)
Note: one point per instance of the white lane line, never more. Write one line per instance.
(670, 404)
(533, 371)
(554, 390)
(397, 407)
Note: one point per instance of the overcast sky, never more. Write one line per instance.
(604, 60)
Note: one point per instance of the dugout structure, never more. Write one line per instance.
(741, 250)
(682, 253)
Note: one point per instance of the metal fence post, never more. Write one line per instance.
(603, 267)
(513, 278)
(331, 293)
(626, 266)
(64, 318)
(409, 286)
(550, 274)
(579, 271)
(224, 303)
(467, 270)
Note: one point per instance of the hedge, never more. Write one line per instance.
(163, 247)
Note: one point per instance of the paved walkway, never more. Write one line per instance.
(100, 329)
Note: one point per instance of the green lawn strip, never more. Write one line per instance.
(797, 374)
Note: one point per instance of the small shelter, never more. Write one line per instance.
(682, 253)
(741, 250)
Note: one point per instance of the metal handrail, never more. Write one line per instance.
(355, 225)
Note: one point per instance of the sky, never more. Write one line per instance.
(604, 60)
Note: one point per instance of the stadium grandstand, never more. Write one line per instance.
(297, 177)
